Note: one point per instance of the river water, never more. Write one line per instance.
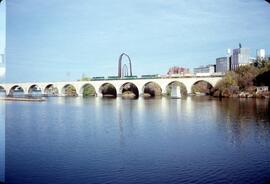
(95, 140)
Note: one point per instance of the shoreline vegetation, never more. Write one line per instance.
(243, 82)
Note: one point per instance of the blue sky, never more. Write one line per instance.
(60, 40)
(2, 26)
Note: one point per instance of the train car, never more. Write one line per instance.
(113, 77)
(98, 78)
(150, 76)
(131, 77)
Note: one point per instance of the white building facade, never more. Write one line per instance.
(240, 56)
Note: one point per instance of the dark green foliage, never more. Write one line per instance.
(89, 90)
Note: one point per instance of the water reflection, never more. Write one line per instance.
(236, 116)
(163, 140)
(2, 140)
(242, 116)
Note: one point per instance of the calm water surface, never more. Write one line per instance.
(2, 140)
(193, 140)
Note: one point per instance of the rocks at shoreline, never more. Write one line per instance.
(243, 94)
(128, 95)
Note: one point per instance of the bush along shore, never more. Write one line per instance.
(245, 82)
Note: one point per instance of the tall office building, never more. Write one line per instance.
(223, 64)
(2, 66)
(240, 56)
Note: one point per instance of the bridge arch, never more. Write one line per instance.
(34, 87)
(69, 90)
(202, 87)
(152, 89)
(16, 89)
(183, 88)
(108, 90)
(51, 90)
(87, 90)
(129, 90)
(3, 91)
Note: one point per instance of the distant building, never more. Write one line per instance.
(2, 66)
(260, 54)
(209, 69)
(223, 64)
(176, 70)
(240, 56)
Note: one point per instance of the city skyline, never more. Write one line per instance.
(63, 41)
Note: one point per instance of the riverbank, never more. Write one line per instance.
(228, 93)
(247, 81)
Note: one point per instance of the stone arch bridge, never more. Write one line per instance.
(140, 83)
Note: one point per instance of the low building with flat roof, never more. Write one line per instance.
(205, 69)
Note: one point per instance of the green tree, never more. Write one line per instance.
(89, 91)
(246, 75)
(70, 91)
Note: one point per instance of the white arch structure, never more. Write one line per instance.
(139, 83)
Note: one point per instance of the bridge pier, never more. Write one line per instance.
(189, 89)
(98, 94)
